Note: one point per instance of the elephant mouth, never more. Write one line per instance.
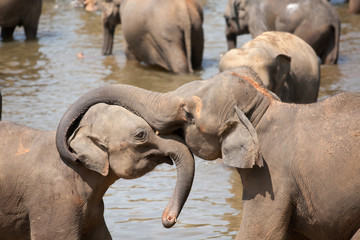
(159, 158)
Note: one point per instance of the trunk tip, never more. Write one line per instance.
(168, 221)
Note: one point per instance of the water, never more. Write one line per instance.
(39, 80)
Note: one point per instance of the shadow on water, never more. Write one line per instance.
(39, 80)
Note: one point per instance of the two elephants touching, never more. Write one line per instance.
(299, 164)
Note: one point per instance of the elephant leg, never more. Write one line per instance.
(197, 47)
(7, 33)
(267, 205)
(30, 32)
(100, 231)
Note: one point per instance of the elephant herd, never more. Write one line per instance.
(298, 158)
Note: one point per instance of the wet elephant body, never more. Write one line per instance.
(286, 64)
(46, 197)
(19, 13)
(315, 21)
(299, 164)
(165, 33)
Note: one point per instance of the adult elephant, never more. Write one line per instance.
(45, 197)
(19, 13)
(315, 21)
(354, 6)
(286, 64)
(165, 33)
(299, 163)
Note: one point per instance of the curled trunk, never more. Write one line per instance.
(159, 110)
(185, 168)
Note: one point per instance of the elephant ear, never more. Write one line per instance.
(240, 146)
(281, 73)
(90, 150)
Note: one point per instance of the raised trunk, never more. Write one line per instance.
(185, 167)
(159, 110)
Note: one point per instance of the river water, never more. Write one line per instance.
(39, 80)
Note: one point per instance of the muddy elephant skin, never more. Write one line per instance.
(44, 197)
(164, 33)
(315, 21)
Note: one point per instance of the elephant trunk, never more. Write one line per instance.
(111, 17)
(108, 40)
(159, 110)
(185, 167)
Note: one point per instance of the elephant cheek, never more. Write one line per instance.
(203, 145)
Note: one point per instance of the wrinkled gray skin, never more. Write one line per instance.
(43, 197)
(165, 33)
(19, 13)
(285, 63)
(299, 164)
(315, 21)
(354, 6)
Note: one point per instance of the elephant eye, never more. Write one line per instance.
(140, 135)
(188, 116)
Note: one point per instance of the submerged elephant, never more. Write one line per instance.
(299, 163)
(158, 32)
(285, 63)
(19, 13)
(315, 21)
(44, 197)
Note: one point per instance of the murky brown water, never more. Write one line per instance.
(39, 80)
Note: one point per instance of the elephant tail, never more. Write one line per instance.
(186, 20)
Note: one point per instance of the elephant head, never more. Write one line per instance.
(237, 21)
(111, 18)
(116, 143)
(273, 70)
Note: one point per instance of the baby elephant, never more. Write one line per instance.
(287, 65)
(43, 197)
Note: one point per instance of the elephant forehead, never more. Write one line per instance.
(112, 117)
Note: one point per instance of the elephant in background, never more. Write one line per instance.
(354, 6)
(19, 13)
(45, 197)
(315, 21)
(165, 33)
(298, 163)
(285, 63)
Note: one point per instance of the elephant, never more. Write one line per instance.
(164, 33)
(0, 105)
(315, 21)
(19, 13)
(298, 163)
(46, 197)
(286, 64)
(354, 6)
